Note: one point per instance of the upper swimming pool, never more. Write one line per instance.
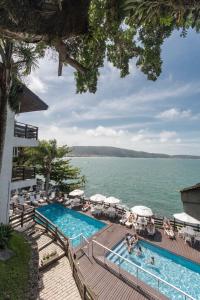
(70, 222)
(176, 270)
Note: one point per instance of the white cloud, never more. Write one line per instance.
(174, 114)
(165, 136)
(104, 131)
(36, 84)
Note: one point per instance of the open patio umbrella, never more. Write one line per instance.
(76, 193)
(112, 200)
(98, 198)
(142, 211)
(186, 218)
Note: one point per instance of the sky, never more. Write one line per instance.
(132, 113)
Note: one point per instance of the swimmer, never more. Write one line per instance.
(152, 260)
(139, 251)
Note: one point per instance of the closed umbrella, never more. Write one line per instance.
(98, 198)
(76, 193)
(112, 200)
(183, 217)
(142, 211)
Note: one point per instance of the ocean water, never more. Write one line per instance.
(138, 181)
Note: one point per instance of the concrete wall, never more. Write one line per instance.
(6, 170)
(22, 142)
(191, 203)
(22, 184)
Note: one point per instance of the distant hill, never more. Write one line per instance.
(98, 151)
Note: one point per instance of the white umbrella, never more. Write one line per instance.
(112, 200)
(98, 198)
(76, 193)
(142, 211)
(186, 218)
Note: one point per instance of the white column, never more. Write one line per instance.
(6, 170)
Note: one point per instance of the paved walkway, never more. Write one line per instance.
(56, 280)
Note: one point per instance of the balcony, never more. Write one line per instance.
(26, 131)
(23, 173)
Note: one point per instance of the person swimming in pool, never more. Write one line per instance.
(139, 251)
(152, 260)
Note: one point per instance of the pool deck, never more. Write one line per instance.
(177, 246)
(104, 279)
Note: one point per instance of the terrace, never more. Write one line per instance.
(104, 280)
(23, 173)
(26, 131)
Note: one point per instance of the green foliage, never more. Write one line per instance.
(122, 30)
(51, 162)
(119, 31)
(5, 235)
(22, 59)
(14, 273)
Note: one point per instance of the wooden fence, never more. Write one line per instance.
(158, 220)
(33, 215)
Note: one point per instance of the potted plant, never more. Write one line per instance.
(48, 257)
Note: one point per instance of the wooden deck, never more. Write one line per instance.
(104, 280)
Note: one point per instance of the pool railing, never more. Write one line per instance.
(159, 281)
(82, 242)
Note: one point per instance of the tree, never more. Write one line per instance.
(51, 162)
(85, 33)
(17, 61)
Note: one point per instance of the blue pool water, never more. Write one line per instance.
(70, 222)
(176, 270)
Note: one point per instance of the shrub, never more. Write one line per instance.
(5, 235)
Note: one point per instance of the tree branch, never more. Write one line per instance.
(65, 58)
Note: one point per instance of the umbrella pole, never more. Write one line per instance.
(174, 224)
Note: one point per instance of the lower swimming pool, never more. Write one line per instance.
(176, 270)
(70, 222)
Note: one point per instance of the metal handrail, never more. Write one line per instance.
(140, 268)
(82, 237)
(43, 217)
(73, 238)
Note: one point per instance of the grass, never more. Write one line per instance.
(15, 271)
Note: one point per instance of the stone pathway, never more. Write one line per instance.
(57, 280)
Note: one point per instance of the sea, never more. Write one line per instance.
(153, 182)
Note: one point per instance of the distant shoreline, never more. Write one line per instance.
(104, 151)
(98, 156)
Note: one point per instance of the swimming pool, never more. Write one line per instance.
(71, 222)
(176, 270)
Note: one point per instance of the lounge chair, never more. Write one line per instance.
(151, 230)
(188, 239)
(170, 233)
(52, 196)
(86, 207)
(124, 218)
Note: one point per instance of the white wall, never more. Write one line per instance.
(22, 184)
(6, 170)
(22, 142)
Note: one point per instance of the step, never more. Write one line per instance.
(45, 245)
(110, 256)
(26, 227)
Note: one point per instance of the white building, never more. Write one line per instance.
(18, 135)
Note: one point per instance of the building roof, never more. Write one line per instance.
(193, 187)
(31, 102)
